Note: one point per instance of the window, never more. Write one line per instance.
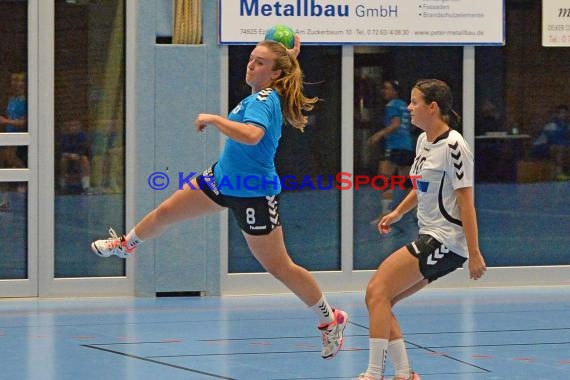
(89, 134)
(307, 215)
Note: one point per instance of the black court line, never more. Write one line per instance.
(433, 351)
(152, 358)
(260, 338)
(469, 331)
(366, 328)
(127, 343)
(504, 345)
(239, 353)
(481, 370)
(491, 331)
(406, 313)
(450, 357)
(158, 362)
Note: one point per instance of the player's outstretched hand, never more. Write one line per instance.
(387, 220)
(202, 121)
(296, 49)
(477, 266)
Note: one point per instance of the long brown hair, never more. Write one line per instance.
(290, 85)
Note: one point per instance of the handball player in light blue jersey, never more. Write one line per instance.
(245, 181)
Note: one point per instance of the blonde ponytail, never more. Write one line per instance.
(290, 86)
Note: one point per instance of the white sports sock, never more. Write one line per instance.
(85, 181)
(377, 357)
(399, 358)
(387, 199)
(132, 239)
(323, 311)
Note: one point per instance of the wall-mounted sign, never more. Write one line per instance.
(555, 23)
(367, 22)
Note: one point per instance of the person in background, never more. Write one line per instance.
(488, 119)
(74, 148)
(15, 119)
(553, 142)
(398, 147)
(448, 233)
(107, 160)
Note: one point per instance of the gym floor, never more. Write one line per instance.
(479, 334)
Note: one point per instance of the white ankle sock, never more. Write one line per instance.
(323, 311)
(386, 206)
(85, 181)
(132, 239)
(377, 357)
(399, 358)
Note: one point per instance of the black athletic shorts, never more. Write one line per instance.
(400, 157)
(255, 215)
(435, 259)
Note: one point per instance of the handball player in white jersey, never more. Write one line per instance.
(447, 222)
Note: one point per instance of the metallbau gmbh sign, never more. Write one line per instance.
(370, 22)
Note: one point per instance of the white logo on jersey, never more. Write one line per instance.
(418, 164)
(263, 94)
(457, 161)
(237, 108)
(273, 216)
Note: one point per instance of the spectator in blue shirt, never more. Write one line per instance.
(399, 146)
(553, 142)
(74, 147)
(14, 119)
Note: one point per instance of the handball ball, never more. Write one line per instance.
(283, 34)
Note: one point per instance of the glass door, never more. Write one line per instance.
(62, 147)
(18, 151)
(83, 146)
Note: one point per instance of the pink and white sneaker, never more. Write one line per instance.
(114, 245)
(333, 334)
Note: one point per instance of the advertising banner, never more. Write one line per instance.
(555, 23)
(367, 22)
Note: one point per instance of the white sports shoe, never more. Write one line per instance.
(114, 245)
(332, 334)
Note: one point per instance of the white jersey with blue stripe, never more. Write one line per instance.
(444, 166)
